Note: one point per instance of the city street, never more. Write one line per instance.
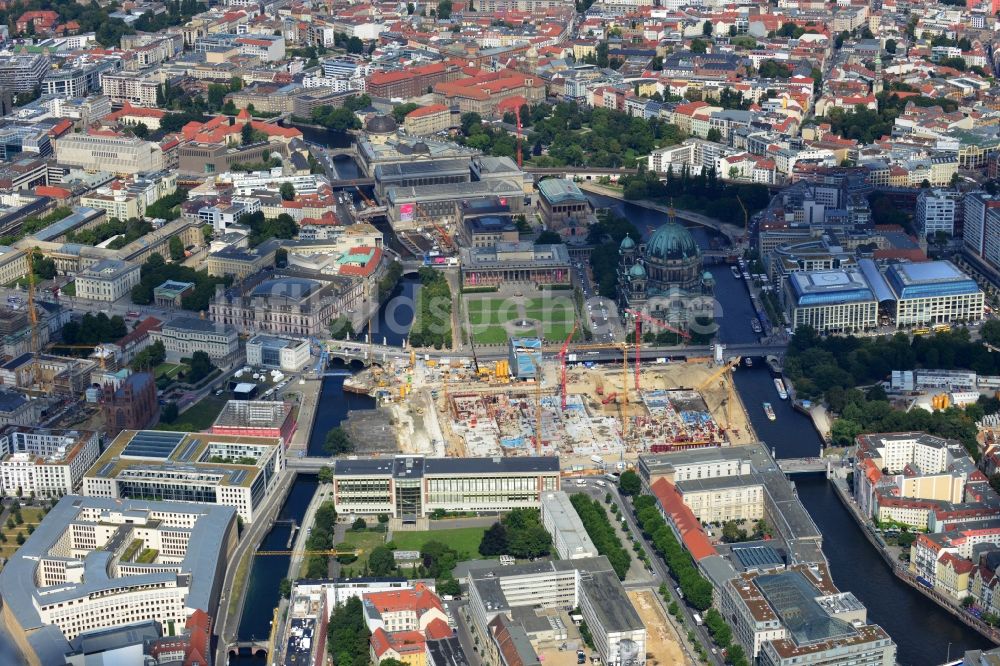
(660, 570)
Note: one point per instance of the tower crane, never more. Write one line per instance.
(562, 364)
(639, 318)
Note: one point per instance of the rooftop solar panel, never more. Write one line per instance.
(185, 455)
(238, 476)
(151, 444)
(105, 468)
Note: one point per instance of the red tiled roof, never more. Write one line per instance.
(694, 538)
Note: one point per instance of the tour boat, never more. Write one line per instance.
(755, 325)
(780, 386)
(769, 411)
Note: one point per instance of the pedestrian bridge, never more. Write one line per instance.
(806, 465)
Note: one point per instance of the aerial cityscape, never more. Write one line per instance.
(499, 333)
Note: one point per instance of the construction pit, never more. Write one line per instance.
(679, 405)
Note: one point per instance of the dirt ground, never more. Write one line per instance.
(660, 376)
(662, 643)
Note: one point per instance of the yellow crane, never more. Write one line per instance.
(722, 374)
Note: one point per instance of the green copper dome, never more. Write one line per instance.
(627, 243)
(672, 241)
(637, 271)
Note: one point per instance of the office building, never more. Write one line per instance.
(797, 616)
(23, 72)
(108, 280)
(569, 536)
(933, 292)
(45, 463)
(417, 174)
(272, 352)
(95, 563)
(17, 409)
(124, 155)
(694, 464)
(838, 300)
(229, 470)
(722, 499)
(256, 418)
(936, 211)
(409, 488)
(183, 336)
(504, 599)
(428, 120)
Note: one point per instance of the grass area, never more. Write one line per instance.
(132, 549)
(170, 370)
(147, 556)
(32, 516)
(198, 417)
(465, 540)
(487, 317)
(365, 542)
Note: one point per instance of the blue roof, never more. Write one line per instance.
(876, 281)
(929, 278)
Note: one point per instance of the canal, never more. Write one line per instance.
(266, 573)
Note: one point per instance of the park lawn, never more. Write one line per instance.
(465, 540)
(491, 310)
(364, 541)
(491, 335)
(198, 417)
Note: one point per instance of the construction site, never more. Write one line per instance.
(612, 410)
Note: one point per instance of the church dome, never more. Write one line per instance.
(637, 271)
(381, 125)
(671, 242)
(627, 243)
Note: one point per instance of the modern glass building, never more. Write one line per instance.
(839, 300)
(933, 292)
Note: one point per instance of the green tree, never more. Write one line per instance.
(494, 541)
(444, 9)
(169, 412)
(341, 328)
(548, 238)
(359, 525)
(337, 442)
(20, 539)
(381, 561)
(629, 483)
(246, 134)
(325, 475)
(287, 191)
(706, 28)
(42, 266)
(285, 588)
(714, 134)
(890, 46)
(201, 367)
(699, 46)
(355, 45)
(176, 246)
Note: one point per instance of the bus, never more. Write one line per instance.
(941, 328)
(921, 331)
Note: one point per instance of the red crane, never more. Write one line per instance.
(642, 316)
(562, 364)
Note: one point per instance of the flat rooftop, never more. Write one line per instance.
(415, 466)
(158, 456)
(23, 598)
